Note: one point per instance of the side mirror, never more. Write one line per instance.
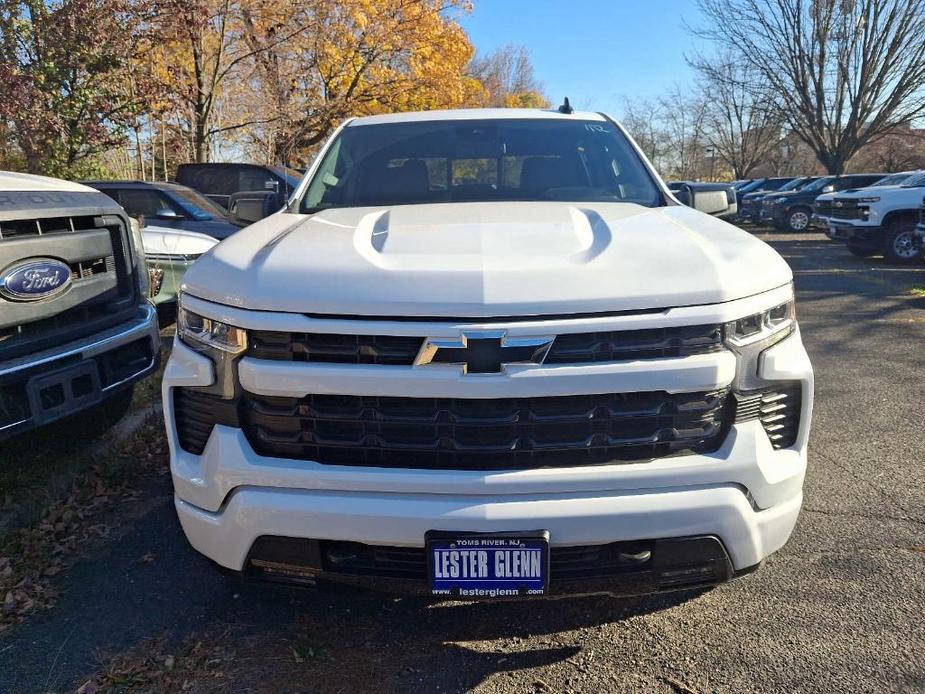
(718, 199)
(251, 206)
(166, 214)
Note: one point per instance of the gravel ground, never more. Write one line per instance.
(840, 608)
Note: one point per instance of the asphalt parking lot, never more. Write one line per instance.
(840, 608)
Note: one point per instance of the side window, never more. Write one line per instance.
(143, 203)
(253, 178)
(215, 180)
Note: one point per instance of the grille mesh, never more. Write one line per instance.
(679, 341)
(509, 433)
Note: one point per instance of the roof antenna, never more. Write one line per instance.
(566, 107)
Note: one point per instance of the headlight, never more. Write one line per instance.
(768, 326)
(873, 199)
(750, 336)
(222, 343)
(199, 332)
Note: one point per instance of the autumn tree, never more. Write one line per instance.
(842, 72)
(508, 79)
(203, 56)
(63, 79)
(357, 57)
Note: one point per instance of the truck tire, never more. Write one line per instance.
(100, 418)
(899, 243)
(797, 220)
(861, 251)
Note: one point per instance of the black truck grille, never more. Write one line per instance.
(508, 433)
(846, 209)
(823, 208)
(616, 345)
(47, 327)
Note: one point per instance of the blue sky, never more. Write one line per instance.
(593, 51)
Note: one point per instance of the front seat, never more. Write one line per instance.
(406, 183)
(540, 174)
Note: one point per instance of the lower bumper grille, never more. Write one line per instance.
(638, 566)
(507, 433)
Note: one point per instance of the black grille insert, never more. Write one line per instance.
(846, 208)
(483, 434)
(615, 345)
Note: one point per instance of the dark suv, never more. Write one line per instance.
(792, 211)
(220, 181)
(749, 197)
(169, 205)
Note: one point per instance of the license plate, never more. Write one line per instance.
(488, 565)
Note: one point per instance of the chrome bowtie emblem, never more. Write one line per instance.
(483, 351)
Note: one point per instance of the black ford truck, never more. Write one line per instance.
(76, 328)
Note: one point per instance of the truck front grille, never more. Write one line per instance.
(46, 324)
(609, 346)
(485, 434)
(477, 434)
(846, 209)
(823, 208)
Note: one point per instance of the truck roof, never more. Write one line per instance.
(475, 114)
(12, 181)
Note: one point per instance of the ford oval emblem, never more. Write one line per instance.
(35, 279)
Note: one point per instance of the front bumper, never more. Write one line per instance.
(119, 356)
(847, 232)
(746, 494)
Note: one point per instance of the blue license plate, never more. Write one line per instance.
(488, 565)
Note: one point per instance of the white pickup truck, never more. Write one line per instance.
(879, 220)
(487, 354)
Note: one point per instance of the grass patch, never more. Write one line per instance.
(917, 291)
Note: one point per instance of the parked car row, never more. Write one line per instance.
(871, 213)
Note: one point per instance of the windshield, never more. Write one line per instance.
(891, 180)
(480, 161)
(196, 204)
(916, 181)
(795, 183)
(754, 185)
(819, 183)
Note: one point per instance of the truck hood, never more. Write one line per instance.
(477, 260)
(11, 181)
(899, 190)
